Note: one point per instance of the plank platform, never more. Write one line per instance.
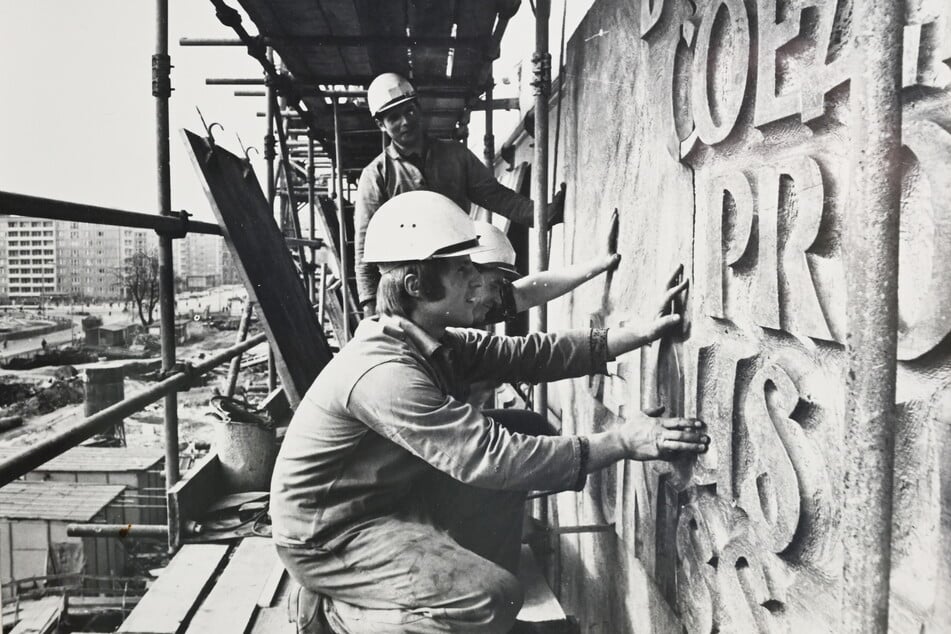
(231, 603)
(169, 602)
(244, 588)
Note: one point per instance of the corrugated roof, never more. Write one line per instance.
(98, 459)
(445, 47)
(67, 501)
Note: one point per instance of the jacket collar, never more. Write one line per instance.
(405, 330)
(395, 154)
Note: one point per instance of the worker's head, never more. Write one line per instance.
(496, 264)
(395, 108)
(421, 242)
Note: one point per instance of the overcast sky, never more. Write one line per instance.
(77, 116)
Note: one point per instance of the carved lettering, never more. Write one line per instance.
(714, 117)
(651, 10)
(924, 284)
(800, 221)
(752, 596)
(760, 265)
(768, 485)
(793, 73)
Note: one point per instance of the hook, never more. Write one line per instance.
(209, 129)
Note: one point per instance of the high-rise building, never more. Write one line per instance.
(46, 259)
(205, 256)
(29, 265)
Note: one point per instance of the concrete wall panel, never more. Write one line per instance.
(721, 131)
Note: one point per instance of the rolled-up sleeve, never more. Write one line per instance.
(486, 191)
(368, 199)
(400, 402)
(534, 358)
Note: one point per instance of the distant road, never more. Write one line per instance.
(30, 345)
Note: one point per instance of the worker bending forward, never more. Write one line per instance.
(393, 497)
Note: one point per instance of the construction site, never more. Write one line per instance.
(792, 156)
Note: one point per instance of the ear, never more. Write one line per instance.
(379, 124)
(411, 285)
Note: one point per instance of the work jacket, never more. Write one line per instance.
(446, 167)
(388, 412)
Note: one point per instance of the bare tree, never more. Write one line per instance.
(140, 283)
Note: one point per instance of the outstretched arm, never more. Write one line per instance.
(540, 288)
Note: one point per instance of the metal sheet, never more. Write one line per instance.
(264, 263)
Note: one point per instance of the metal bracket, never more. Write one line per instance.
(182, 229)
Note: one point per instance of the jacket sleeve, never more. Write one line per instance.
(537, 357)
(400, 402)
(485, 190)
(370, 196)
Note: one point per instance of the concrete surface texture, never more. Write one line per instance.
(724, 135)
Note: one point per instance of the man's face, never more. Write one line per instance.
(461, 282)
(403, 124)
(490, 293)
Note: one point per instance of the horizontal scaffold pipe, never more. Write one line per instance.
(35, 455)
(124, 531)
(50, 209)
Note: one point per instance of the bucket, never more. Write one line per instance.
(246, 450)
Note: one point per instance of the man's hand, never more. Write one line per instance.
(556, 208)
(613, 258)
(630, 336)
(652, 438)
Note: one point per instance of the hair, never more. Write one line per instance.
(391, 295)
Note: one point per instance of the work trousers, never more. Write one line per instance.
(447, 564)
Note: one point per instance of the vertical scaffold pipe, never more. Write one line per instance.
(269, 155)
(343, 226)
(311, 213)
(541, 64)
(871, 236)
(162, 91)
(489, 131)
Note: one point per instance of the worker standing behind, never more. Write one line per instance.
(414, 161)
(393, 499)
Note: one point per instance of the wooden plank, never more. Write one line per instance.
(264, 263)
(39, 617)
(231, 603)
(273, 621)
(271, 585)
(170, 600)
(189, 498)
(540, 604)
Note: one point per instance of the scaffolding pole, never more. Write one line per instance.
(871, 240)
(541, 64)
(343, 227)
(162, 90)
(269, 164)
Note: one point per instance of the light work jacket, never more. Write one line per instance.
(448, 168)
(389, 409)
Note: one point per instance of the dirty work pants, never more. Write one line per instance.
(446, 566)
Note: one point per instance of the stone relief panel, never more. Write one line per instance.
(755, 102)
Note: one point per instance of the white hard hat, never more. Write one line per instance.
(419, 225)
(499, 252)
(388, 90)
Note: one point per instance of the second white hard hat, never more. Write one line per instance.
(387, 91)
(419, 225)
(499, 252)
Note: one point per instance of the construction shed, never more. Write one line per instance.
(138, 469)
(33, 540)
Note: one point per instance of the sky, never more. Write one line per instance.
(77, 116)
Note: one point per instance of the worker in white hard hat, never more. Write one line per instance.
(414, 161)
(505, 292)
(395, 500)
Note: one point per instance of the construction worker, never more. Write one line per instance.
(506, 293)
(397, 502)
(414, 161)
